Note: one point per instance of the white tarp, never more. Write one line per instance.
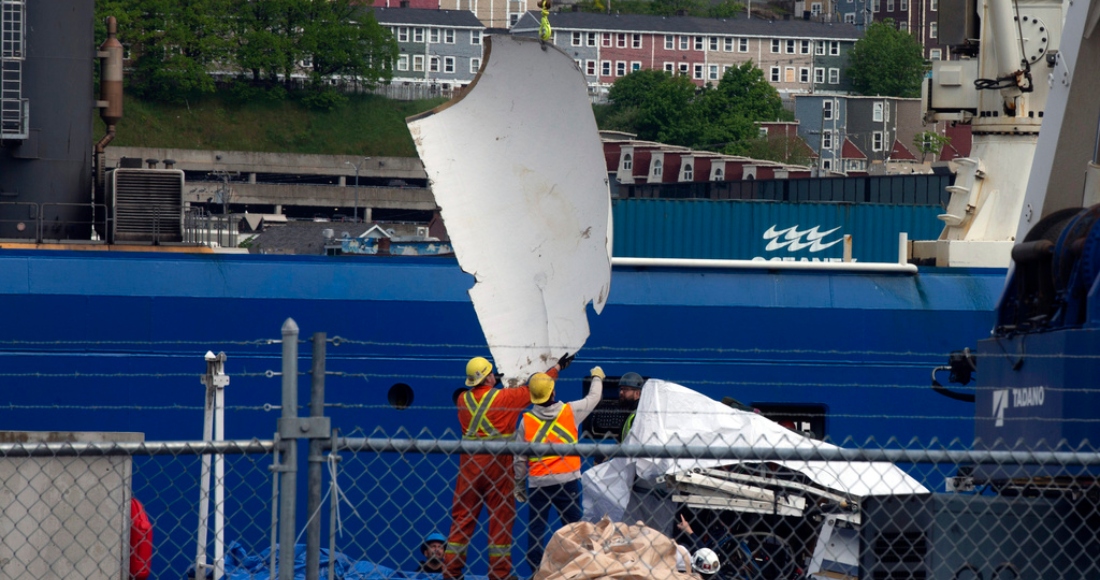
(671, 414)
(517, 168)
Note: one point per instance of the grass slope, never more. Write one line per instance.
(365, 125)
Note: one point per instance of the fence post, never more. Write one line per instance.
(316, 461)
(288, 488)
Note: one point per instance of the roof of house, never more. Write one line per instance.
(673, 24)
(425, 17)
(899, 152)
(850, 151)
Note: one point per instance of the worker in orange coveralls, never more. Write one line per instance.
(485, 413)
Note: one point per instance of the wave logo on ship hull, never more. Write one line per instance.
(796, 240)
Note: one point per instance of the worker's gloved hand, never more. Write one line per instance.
(520, 492)
(597, 372)
(565, 360)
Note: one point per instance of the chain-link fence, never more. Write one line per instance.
(670, 485)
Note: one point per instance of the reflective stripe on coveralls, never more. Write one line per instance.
(563, 429)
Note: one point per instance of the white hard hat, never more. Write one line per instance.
(705, 561)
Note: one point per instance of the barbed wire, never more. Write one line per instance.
(339, 341)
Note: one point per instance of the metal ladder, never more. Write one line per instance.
(14, 109)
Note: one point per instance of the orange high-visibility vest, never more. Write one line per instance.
(563, 429)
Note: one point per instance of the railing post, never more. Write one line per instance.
(316, 461)
(288, 485)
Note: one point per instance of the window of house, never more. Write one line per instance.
(448, 64)
(903, 26)
(403, 62)
(776, 45)
(577, 38)
(804, 75)
(834, 76)
(628, 161)
(876, 141)
(826, 163)
(403, 34)
(590, 39)
(418, 63)
(815, 9)
(605, 39)
(727, 44)
(819, 48)
(876, 113)
(620, 40)
(684, 42)
(698, 73)
(689, 173)
(448, 36)
(700, 41)
(670, 68)
(513, 18)
(725, 69)
(850, 17)
(718, 174)
(657, 170)
(683, 69)
(933, 5)
(775, 74)
(475, 37)
(670, 43)
(433, 35)
(819, 75)
(905, 5)
(790, 46)
(590, 68)
(742, 45)
(827, 109)
(605, 68)
(762, 132)
(714, 43)
(418, 35)
(935, 54)
(876, 6)
(834, 48)
(804, 47)
(788, 74)
(475, 65)
(826, 139)
(712, 72)
(933, 30)
(620, 68)
(636, 41)
(433, 64)
(889, 5)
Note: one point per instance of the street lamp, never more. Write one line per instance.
(355, 216)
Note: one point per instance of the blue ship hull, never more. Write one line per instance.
(115, 340)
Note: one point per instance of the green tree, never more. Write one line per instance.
(886, 62)
(930, 143)
(675, 7)
(725, 9)
(658, 106)
(174, 45)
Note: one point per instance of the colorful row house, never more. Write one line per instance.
(797, 56)
(492, 14)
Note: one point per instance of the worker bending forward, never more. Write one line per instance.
(485, 413)
(554, 480)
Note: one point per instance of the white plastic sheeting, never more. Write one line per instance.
(674, 415)
(517, 169)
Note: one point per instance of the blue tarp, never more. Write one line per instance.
(239, 565)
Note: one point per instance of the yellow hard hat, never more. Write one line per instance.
(542, 386)
(477, 369)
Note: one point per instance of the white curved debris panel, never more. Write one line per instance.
(517, 169)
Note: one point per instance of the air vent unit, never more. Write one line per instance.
(146, 205)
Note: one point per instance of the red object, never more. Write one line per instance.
(141, 541)
(486, 480)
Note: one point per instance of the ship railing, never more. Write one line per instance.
(210, 229)
(52, 222)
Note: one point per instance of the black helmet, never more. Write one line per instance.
(632, 380)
